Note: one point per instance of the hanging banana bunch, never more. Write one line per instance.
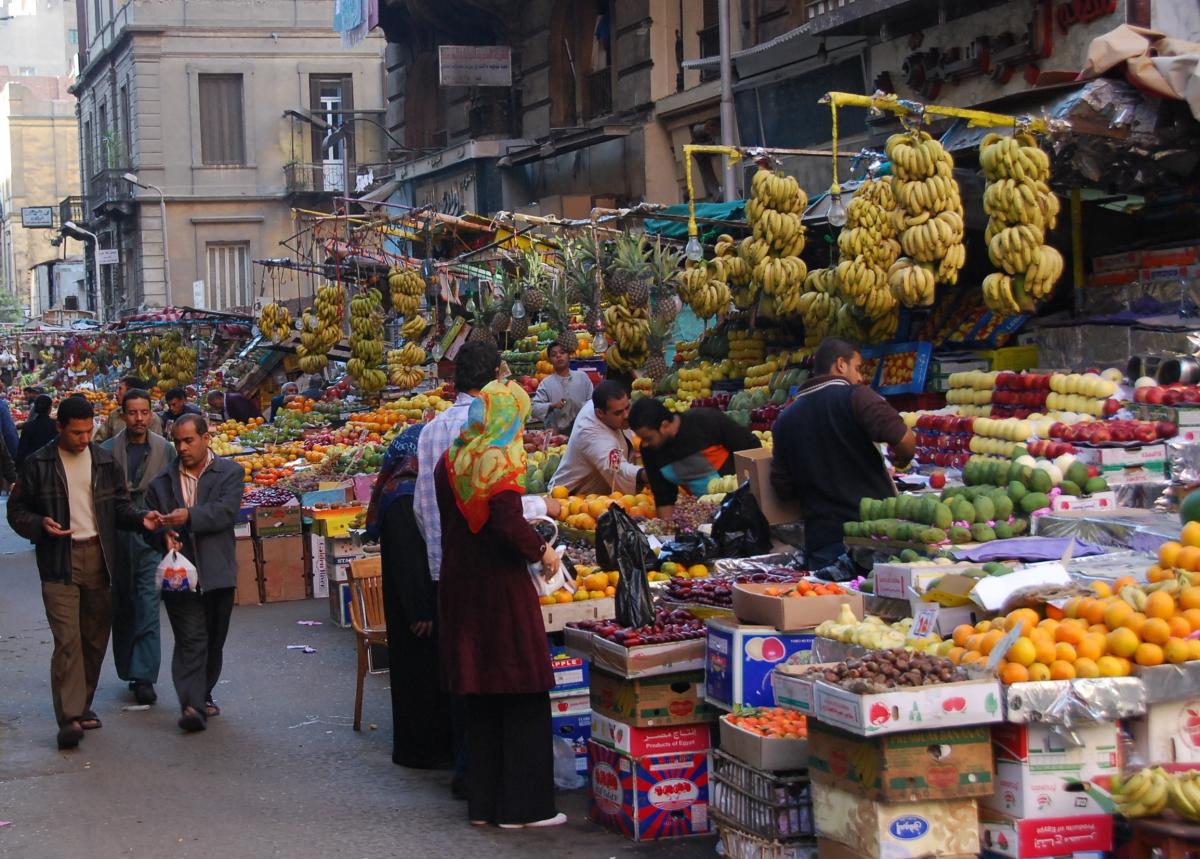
(704, 287)
(275, 322)
(738, 270)
(868, 248)
(772, 252)
(1021, 209)
(366, 341)
(406, 288)
(404, 365)
(628, 329)
(321, 328)
(177, 362)
(928, 217)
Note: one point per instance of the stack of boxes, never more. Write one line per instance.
(330, 551)
(270, 555)
(570, 706)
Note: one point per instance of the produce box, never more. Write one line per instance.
(752, 605)
(1012, 357)
(249, 582)
(1168, 733)
(335, 522)
(952, 763)
(243, 525)
(827, 849)
(570, 673)
(770, 805)
(636, 742)
(993, 592)
(1040, 746)
(571, 705)
(1118, 465)
(649, 702)
(647, 660)
(740, 659)
(1095, 501)
(1039, 773)
(339, 603)
(1111, 262)
(895, 830)
(755, 465)
(557, 616)
(283, 571)
(968, 702)
(1044, 837)
(576, 728)
(276, 521)
(650, 797)
(364, 485)
(771, 754)
(794, 687)
(338, 494)
(1185, 418)
(901, 581)
(343, 549)
(903, 367)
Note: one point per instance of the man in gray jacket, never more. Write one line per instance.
(199, 496)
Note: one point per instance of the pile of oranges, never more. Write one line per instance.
(591, 583)
(776, 722)
(379, 420)
(1178, 555)
(304, 405)
(581, 512)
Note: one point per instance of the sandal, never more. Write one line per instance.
(89, 721)
(211, 709)
(69, 735)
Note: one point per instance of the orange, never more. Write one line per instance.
(1098, 627)
(1039, 671)
(1054, 612)
(1027, 616)
(1092, 610)
(961, 633)
(1110, 666)
(955, 655)
(1189, 597)
(614, 577)
(1093, 646)
(1102, 589)
(1116, 614)
(1048, 625)
(1123, 581)
(559, 492)
(1148, 654)
(1135, 622)
(1085, 667)
(1192, 616)
(1023, 652)
(1013, 672)
(1168, 554)
(989, 641)
(1122, 642)
(1193, 648)
(1071, 609)
(983, 626)
(974, 642)
(1045, 650)
(1189, 558)
(1190, 535)
(1176, 651)
(1068, 631)
(1156, 631)
(1157, 574)
(1064, 652)
(610, 591)
(971, 657)
(1060, 670)
(1160, 604)
(1126, 666)
(1180, 626)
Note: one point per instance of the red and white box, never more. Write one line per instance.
(650, 797)
(1044, 838)
(636, 742)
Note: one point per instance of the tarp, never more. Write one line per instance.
(1166, 67)
(735, 211)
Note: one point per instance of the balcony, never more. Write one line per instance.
(314, 178)
(710, 46)
(887, 19)
(70, 209)
(109, 193)
(599, 93)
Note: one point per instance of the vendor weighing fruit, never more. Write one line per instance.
(600, 453)
(825, 452)
(561, 395)
(685, 450)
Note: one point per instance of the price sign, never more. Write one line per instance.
(926, 620)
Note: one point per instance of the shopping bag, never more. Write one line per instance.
(175, 574)
(560, 580)
(621, 546)
(739, 528)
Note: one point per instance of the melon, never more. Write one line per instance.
(1189, 510)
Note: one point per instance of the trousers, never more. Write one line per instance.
(80, 617)
(135, 627)
(200, 622)
(510, 772)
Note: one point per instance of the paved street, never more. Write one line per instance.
(279, 773)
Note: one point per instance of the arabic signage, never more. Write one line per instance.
(474, 65)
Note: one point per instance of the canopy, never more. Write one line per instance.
(675, 227)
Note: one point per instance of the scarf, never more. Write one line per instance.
(488, 457)
(397, 477)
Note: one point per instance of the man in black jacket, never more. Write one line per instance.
(199, 495)
(69, 501)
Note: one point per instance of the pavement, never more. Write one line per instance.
(280, 773)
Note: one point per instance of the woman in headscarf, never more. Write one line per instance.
(420, 709)
(38, 431)
(493, 641)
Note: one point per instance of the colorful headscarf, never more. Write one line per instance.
(397, 477)
(488, 457)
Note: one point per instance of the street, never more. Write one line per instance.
(279, 773)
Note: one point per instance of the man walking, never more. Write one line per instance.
(69, 500)
(140, 455)
(199, 495)
(116, 419)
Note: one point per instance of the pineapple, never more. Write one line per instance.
(534, 275)
(482, 312)
(520, 327)
(631, 274)
(500, 322)
(665, 263)
(580, 273)
(558, 308)
(656, 364)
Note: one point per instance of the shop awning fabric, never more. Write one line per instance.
(677, 229)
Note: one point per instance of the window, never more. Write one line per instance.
(228, 275)
(331, 99)
(222, 135)
(126, 121)
(581, 62)
(88, 160)
(28, 71)
(73, 36)
(107, 155)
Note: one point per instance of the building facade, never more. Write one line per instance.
(227, 109)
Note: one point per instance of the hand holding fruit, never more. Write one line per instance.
(550, 562)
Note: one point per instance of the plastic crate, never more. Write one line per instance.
(743, 845)
(1013, 357)
(772, 806)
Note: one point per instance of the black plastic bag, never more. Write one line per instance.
(739, 528)
(621, 546)
(688, 550)
(849, 566)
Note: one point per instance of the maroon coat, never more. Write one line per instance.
(491, 635)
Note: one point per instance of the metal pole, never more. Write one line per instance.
(162, 213)
(727, 115)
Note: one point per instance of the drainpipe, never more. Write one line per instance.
(727, 115)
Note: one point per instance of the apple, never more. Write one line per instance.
(1191, 395)
(1166, 429)
(937, 480)
(1139, 394)
(1154, 395)
(1111, 406)
(1145, 432)
(1100, 436)
(1171, 396)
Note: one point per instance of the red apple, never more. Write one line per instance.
(1101, 436)
(1166, 429)
(1057, 429)
(1111, 406)
(1153, 395)
(937, 480)
(1172, 396)
(1139, 394)
(1191, 395)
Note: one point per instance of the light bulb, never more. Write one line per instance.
(518, 310)
(694, 250)
(428, 268)
(837, 212)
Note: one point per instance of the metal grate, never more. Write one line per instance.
(774, 806)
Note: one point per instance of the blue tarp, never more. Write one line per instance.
(735, 211)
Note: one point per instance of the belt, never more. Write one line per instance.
(87, 541)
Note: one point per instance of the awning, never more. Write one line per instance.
(675, 226)
(564, 142)
(381, 194)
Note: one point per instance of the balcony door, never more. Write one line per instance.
(331, 101)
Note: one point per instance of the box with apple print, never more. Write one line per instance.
(969, 702)
(740, 659)
(648, 797)
(1044, 837)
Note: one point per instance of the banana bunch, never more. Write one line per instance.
(629, 330)
(414, 327)
(781, 275)
(911, 282)
(928, 215)
(868, 248)
(366, 340)
(406, 287)
(736, 270)
(177, 362)
(1183, 794)
(818, 310)
(403, 365)
(883, 328)
(821, 280)
(846, 324)
(275, 322)
(1146, 792)
(774, 212)
(702, 287)
(1021, 208)
(140, 357)
(321, 328)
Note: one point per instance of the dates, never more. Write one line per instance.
(888, 669)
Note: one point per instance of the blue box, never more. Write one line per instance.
(740, 658)
(576, 728)
(570, 673)
(339, 603)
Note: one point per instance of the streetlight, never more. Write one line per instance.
(75, 228)
(132, 179)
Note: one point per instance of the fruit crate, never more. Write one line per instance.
(922, 356)
(773, 806)
(743, 845)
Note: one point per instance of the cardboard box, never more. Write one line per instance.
(943, 619)
(918, 765)
(794, 689)
(576, 729)
(647, 660)
(556, 617)
(648, 702)
(1096, 501)
(1023, 790)
(339, 603)
(277, 521)
(1038, 745)
(1116, 277)
(1118, 465)
(335, 522)
(770, 754)
(827, 849)
(1168, 733)
(318, 566)
(650, 797)
(903, 581)
(755, 465)
(740, 659)
(343, 549)
(1172, 256)
(969, 702)
(570, 673)
(339, 493)
(752, 605)
(1044, 837)
(1111, 262)
(895, 830)
(283, 568)
(1186, 418)
(636, 742)
(249, 586)
(994, 592)
(570, 705)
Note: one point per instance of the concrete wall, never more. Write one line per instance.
(36, 36)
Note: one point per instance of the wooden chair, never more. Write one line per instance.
(367, 618)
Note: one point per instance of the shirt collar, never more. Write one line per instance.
(208, 463)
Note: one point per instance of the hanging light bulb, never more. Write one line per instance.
(694, 250)
(837, 212)
(428, 268)
(518, 310)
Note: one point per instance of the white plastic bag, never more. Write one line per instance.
(561, 579)
(175, 574)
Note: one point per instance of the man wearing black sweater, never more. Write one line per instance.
(825, 450)
(685, 450)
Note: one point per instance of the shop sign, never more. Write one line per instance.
(37, 217)
(474, 65)
(108, 256)
(1082, 12)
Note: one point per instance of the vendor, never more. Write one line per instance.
(287, 393)
(685, 450)
(600, 453)
(232, 406)
(561, 395)
(177, 407)
(825, 450)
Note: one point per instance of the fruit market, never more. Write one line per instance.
(1002, 656)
